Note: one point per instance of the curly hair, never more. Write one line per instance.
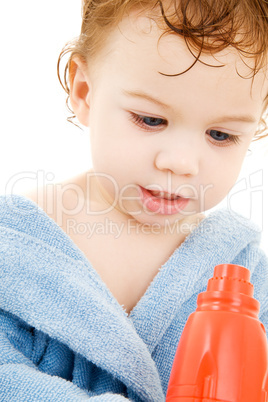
(207, 26)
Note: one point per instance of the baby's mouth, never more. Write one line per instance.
(164, 194)
(162, 202)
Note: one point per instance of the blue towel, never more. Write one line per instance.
(64, 337)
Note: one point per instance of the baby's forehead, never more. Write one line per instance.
(140, 55)
(251, 48)
(143, 34)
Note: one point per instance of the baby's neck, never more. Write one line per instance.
(125, 253)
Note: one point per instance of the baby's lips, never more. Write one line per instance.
(165, 194)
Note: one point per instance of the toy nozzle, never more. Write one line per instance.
(231, 278)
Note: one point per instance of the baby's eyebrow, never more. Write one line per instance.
(146, 96)
(247, 118)
(224, 119)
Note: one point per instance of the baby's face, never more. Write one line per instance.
(186, 134)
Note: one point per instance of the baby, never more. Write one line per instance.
(173, 93)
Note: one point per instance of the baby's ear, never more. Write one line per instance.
(79, 90)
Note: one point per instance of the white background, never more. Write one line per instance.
(35, 135)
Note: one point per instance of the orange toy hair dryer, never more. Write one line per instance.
(222, 355)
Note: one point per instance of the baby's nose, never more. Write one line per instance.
(182, 158)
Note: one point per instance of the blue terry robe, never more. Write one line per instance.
(64, 337)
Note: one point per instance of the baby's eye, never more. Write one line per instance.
(151, 121)
(218, 135)
(148, 122)
(222, 138)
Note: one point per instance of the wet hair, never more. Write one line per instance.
(207, 26)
